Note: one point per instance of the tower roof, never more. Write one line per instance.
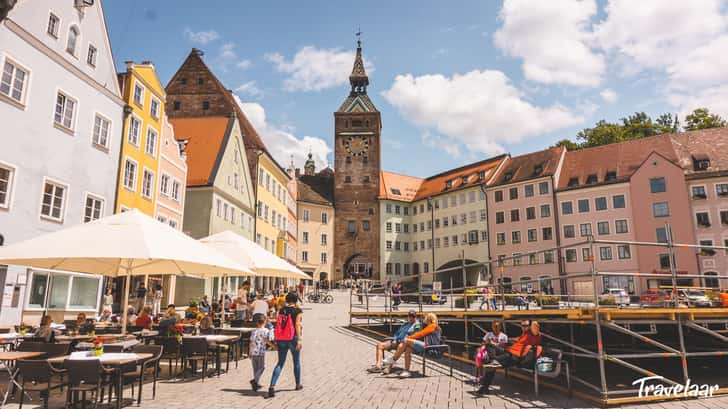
(358, 78)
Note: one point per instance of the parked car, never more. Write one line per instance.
(694, 298)
(428, 296)
(655, 297)
(620, 296)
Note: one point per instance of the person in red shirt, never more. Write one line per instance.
(144, 319)
(522, 353)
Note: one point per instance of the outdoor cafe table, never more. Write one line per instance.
(242, 330)
(9, 359)
(116, 360)
(214, 340)
(124, 344)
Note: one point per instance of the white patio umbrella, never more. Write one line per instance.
(125, 244)
(248, 253)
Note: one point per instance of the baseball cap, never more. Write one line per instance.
(412, 313)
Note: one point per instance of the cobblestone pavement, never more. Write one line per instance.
(334, 360)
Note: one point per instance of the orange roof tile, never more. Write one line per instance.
(437, 184)
(206, 136)
(398, 187)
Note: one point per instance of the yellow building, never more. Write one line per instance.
(139, 164)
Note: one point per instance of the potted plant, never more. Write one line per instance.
(98, 348)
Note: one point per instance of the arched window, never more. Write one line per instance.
(72, 42)
(710, 281)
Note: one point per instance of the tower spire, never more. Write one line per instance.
(358, 78)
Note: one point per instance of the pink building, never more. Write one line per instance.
(626, 191)
(521, 219)
(172, 178)
(703, 156)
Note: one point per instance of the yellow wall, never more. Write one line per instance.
(144, 75)
(273, 178)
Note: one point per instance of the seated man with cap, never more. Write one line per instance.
(408, 328)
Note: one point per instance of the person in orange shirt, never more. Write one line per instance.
(522, 353)
(415, 342)
(723, 296)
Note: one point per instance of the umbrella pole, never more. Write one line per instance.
(125, 301)
(224, 293)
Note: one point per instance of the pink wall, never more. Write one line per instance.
(646, 224)
(523, 225)
(717, 232)
(173, 164)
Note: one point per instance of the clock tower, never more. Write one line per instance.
(357, 163)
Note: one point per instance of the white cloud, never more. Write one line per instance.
(314, 69)
(608, 95)
(201, 37)
(553, 38)
(478, 111)
(282, 143)
(250, 88)
(227, 51)
(244, 64)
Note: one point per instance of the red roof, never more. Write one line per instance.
(206, 136)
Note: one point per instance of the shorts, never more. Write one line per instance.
(418, 346)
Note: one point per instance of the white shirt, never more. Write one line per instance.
(260, 307)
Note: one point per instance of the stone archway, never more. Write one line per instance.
(358, 266)
(454, 272)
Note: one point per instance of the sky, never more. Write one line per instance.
(455, 82)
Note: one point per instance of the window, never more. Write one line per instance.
(567, 208)
(147, 184)
(91, 56)
(218, 205)
(324, 218)
(660, 209)
(532, 235)
(548, 257)
(499, 218)
(176, 185)
(65, 111)
(516, 259)
(53, 203)
(602, 228)
(304, 256)
(547, 233)
(324, 258)
(620, 226)
(703, 219)
(138, 95)
(545, 210)
(483, 215)
(130, 175)
(151, 146)
(154, 110)
(543, 188)
(586, 254)
(173, 224)
(13, 81)
(66, 292)
(6, 185)
(573, 182)
(454, 221)
(623, 252)
(610, 176)
(471, 217)
(397, 209)
(583, 205)
(721, 189)
(73, 34)
(135, 126)
(528, 190)
(94, 208)
(723, 213)
(388, 227)
(665, 261)
(471, 197)
(515, 215)
(585, 229)
(483, 235)
(515, 237)
(388, 209)
(513, 193)
(605, 253)
(498, 196)
(591, 179)
(305, 237)
(347, 179)
(463, 218)
(530, 213)
(569, 231)
(699, 192)
(437, 244)
(101, 131)
(500, 239)
(351, 227)
(406, 245)
(306, 215)
(600, 203)
(657, 185)
(661, 234)
(54, 24)
(176, 105)
(618, 201)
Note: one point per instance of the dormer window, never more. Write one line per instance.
(507, 176)
(396, 192)
(591, 179)
(481, 175)
(448, 184)
(701, 162)
(573, 182)
(610, 176)
(465, 179)
(538, 169)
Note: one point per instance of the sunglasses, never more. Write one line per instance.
(524, 325)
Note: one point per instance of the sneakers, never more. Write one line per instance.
(493, 365)
(483, 390)
(299, 387)
(388, 363)
(374, 369)
(405, 374)
(271, 392)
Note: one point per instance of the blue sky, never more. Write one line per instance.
(454, 84)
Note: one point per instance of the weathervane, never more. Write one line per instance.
(358, 37)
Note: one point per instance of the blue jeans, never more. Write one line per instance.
(283, 348)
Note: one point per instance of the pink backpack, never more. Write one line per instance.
(284, 330)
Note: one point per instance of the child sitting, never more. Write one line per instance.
(496, 338)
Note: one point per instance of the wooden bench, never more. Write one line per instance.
(560, 365)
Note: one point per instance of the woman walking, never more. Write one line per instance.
(287, 334)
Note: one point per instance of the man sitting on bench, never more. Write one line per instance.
(522, 353)
(408, 328)
(416, 343)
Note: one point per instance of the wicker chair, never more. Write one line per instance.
(195, 350)
(37, 376)
(85, 376)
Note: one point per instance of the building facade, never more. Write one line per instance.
(316, 218)
(172, 179)
(60, 97)
(357, 160)
(139, 166)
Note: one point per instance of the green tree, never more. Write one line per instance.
(701, 118)
(601, 134)
(566, 143)
(666, 123)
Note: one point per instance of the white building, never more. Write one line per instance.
(61, 111)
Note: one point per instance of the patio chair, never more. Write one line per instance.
(37, 376)
(195, 350)
(85, 376)
(236, 345)
(171, 351)
(31, 346)
(153, 363)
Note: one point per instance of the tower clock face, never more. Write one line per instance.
(356, 145)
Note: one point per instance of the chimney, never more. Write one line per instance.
(298, 172)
